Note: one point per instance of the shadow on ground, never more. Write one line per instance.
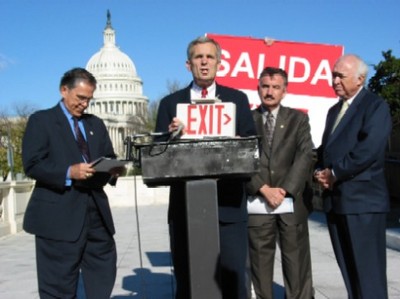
(146, 284)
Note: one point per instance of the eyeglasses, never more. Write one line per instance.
(83, 99)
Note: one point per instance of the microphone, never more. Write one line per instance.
(176, 133)
(172, 135)
(150, 134)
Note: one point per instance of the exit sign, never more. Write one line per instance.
(208, 120)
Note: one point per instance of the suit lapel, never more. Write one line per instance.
(90, 136)
(260, 128)
(280, 127)
(219, 93)
(330, 120)
(223, 94)
(350, 113)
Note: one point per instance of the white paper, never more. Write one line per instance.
(258, 205)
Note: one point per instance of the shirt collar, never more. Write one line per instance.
(195, 91)
(350, 100)
(274, 112)
(65, 110)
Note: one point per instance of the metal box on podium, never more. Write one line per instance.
(199, 163)
(163, 163)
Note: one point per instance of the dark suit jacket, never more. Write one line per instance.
(289, 163)
(231, 193)
(56, 211)
(356, 153)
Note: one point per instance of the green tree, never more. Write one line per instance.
(12, 129)
(152, 116)
(386, 83)
(147, 123)
(144, 123)
(172, 86)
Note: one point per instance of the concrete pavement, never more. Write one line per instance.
(144, 268)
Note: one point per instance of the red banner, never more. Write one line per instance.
(309, 66)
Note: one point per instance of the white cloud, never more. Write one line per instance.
(4, 62)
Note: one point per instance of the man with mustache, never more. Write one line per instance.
(285, 170)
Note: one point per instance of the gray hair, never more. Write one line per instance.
(72, 77)
(203, 40)
(361, 66)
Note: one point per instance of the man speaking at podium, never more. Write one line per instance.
(203, 61)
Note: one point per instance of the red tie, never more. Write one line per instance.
(204, 93)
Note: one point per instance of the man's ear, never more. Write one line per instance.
(361, 80)
(63, 90)
(188, 65)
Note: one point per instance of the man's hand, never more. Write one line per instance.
(325, 178)
(81, 171)
(117, 171)
(273, 196)
(175, 125)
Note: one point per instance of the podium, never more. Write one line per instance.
(199, 164)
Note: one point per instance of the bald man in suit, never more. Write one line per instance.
(350, 168)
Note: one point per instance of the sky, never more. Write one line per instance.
(41, 39)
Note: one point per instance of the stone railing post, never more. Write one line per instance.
(14, 199)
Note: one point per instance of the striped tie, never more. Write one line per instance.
(80, 140)
(269, 128)
(345, 105)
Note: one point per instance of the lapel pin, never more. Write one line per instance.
(91, 132)
(282, 126)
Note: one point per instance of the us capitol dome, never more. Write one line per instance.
(118, 99)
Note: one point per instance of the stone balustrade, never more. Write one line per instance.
(130, 191)
(14, 197)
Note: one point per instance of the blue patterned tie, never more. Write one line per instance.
(80, 140)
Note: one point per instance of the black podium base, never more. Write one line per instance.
(203, 238)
